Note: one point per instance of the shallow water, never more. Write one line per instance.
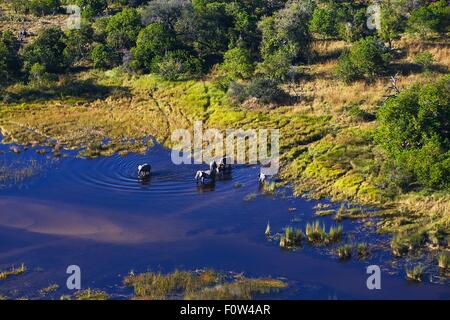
(96, 214)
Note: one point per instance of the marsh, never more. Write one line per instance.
(96, 214)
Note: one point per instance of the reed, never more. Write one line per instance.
(344, 252)
(315, 233)
(416, 273)
(13, 272)
(443, 260)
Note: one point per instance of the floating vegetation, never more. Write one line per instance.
(416, 273)
(443, 260)
(324, 213)
(198, 285)
(237, 185)
(363, 250)
(250, 197)
(292, 237)
(49, 289)
(344, 252)
(13, 272)
(340, 213)
(90, 294)
(402, 243)
(321, 206)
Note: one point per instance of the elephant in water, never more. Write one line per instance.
(207, 176)
(144, 171)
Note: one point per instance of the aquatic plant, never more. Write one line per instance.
(49, 289)
(363, 250)
(237, 185)
(315, 232)
(443, 260)
(250, 197)
(13, 272)
(398, 246)
(267, 232)
(323, 213)
(416, 273)
(335, 234)
(195, 285)
(344, 252)
(340, 213)
(90, 294)
(292, 237)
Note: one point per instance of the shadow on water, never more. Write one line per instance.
(97, 214)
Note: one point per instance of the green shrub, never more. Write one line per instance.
(424, 60)
(430, 19)
(179, 65)
(43, 7)
(104, 57)
(367, 59)
(414, 131)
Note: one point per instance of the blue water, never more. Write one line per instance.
(96, 214)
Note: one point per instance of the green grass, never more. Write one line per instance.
(363, 251)
(335, 234)
(250, 197)
(315, 233)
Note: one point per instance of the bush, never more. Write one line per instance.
(9, 57)
(323, 22)
(179, 65)
(44, 7)
(105, 57)
(366, 59)
(424, 60)
(92, 8)
(79, 43)
(47, 50)
(153, 42)
(429, 19)
(123, 29)
(414, 131)
(237, 64)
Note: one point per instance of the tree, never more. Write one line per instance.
(44, 7)
(47, 50)
(392, 21)
(288, 27)
(366, 59)
(237, 64)
(178, 65)
(92, 8)
(165, 12)
(123, 29)
(323, 21)
(152, 43)
(429, 19)
(104, 57)
(79, 43)
(9, 56)
(415, 132)
(352, 20)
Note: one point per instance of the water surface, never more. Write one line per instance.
(96, 214)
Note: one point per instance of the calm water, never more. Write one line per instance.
(96, 214)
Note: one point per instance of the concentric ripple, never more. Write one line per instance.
(119, 174)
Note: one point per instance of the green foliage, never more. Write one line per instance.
(47, 50)
(424, 60)
(178, 65)
(104, 56)
(277, 65)
(9, 56)
(237, 64)
(414, 131)
(430, 19)
(152, 44)
(324, 22)
(79, 43)
(392, 21)
(92, 8)
(352, 20)
(287, 28)
(123, 29)
(367, 59)
(265, 91)
(43, 7)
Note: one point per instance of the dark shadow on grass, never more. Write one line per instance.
(86, 90)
